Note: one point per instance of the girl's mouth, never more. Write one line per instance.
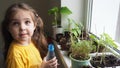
(22, 35)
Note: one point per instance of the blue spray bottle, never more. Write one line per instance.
(51, 53)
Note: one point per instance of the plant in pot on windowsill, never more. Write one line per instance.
(97, 43)
(102, 42)
(80, 48)
(57, 12)
(105, 59)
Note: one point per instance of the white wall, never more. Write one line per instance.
(77, 7)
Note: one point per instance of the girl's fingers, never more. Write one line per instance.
(52, 60)
(54, 63)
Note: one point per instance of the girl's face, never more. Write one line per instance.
(22, 26)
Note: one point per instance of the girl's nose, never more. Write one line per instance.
(22, 27)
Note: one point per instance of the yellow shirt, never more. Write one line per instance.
(23, 56)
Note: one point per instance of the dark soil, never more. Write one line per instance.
(108, 61)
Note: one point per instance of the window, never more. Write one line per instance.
(105, 18)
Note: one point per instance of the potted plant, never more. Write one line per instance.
(102, 42)
(80, 53)
(57, 12)
(107, 56)
(80, 47)
(97, 43)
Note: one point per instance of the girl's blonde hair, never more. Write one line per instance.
(38, 36)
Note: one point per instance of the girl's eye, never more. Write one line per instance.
(15, 23)
(27, 22)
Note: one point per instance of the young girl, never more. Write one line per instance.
(25, 44)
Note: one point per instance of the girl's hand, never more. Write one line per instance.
(49, 64)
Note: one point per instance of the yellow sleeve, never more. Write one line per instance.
(15, 63)
(14, 59)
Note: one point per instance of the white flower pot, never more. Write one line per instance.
(57, 30)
